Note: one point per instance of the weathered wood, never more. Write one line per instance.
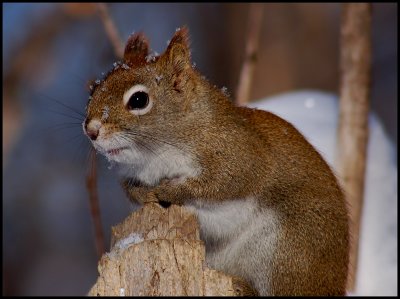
(158, 252)
(355, 64)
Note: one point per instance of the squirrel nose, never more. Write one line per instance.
(93, 134)
(92, 128)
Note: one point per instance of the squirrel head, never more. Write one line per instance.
(145, 101)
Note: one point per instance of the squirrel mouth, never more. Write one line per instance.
(116, 151)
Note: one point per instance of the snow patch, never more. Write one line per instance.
(133, 238)
(158, 78)
(151, 57)
(125, 66)
(106, 113)
(122, 292)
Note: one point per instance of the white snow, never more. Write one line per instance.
(122, 292)
(315, 114)
(224, 89)
(133, 238)
(150, 57)
(106, 113)
(158, 78)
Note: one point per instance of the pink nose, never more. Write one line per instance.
(92, 128)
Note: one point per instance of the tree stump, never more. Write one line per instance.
(158, 252)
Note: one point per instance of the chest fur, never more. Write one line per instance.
(220, 222)
(239, 238)
(151, 167)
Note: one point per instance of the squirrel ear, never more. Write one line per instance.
(178, 52)
(136, 49)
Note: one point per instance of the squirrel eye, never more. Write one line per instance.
(137, 100)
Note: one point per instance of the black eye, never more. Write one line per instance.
(139, 100)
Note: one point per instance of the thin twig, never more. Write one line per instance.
(355, 65)
(94, 204)
(249, 63)
(91, 180)
(111, 30)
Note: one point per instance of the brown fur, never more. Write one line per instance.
(242, 152)
(136, 50)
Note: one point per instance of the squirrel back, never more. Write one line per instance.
(316, 209)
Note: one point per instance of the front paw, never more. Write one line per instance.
(138, 193)
(168, 192)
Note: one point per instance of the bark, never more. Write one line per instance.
(158, 252)
(353, 116)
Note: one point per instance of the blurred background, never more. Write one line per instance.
(50, 51)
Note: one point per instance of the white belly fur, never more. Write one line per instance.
(166, 162)
(239, 238)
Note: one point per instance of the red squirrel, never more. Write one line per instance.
(270, 209)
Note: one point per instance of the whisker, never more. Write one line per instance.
(69, 123)
(139, 143)
(66, 115)
(71, 138)
(88, 156)
(136, 142)
(66, 126)
(63, 104)
(151, 137)
(82, 81)
(79, 152)
(57, 128)
(146, 146)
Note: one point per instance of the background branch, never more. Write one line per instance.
(91, 184)
(352, 137)
(253, 36)
(111, 30)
